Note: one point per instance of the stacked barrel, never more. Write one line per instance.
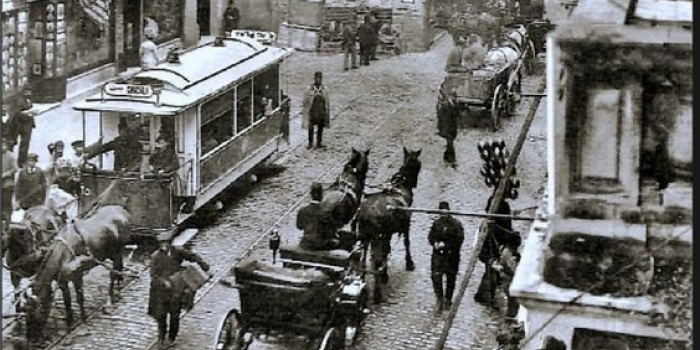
(495, 156)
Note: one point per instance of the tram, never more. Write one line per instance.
(221, 106)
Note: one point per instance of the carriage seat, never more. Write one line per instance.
(262, 271)
(336, 257)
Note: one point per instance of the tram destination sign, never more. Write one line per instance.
(132, 90)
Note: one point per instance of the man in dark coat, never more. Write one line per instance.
(447, 126)
(366, 34)
(499, 236)
(20, 124)
(31, 186)
(167, 293)
(349, 45)
(9, 170)
(126, 147)
(446, 237)
(376, 25)
(164, 159)
(316, 110)
(317, 234)
(232, 17)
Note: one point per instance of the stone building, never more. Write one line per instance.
(615, 235)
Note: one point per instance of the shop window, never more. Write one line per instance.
(217, 121)
(168, 16)
(244, 106)
(90, 41)
(265, 93)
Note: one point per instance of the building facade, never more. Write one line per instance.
(615, 235)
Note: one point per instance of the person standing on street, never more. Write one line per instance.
(168, 292)
(447, 127)
(446, 237)
(9, 170)
(21, 124)
(366, 35)
(316, 107)
(232, 17)
(349, 45)
(317, 234)
(31, 185)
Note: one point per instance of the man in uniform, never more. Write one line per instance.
(316, 107)
(9, 170)
(126, 147)
(164, 159)
(446, 237)
(168, 292)
(317, 234)
(31, 186)
(447, 127)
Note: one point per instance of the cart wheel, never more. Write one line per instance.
(230, 334)
(329, 340)
(498, 106)
(513, 96)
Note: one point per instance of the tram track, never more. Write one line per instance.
(57, 320)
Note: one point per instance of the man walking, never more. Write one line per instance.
(446, 237)
(316, 107)
(9, 170)
(349, 45)
(317, 234)
(31, 186)
(447, 126)
(168, 291)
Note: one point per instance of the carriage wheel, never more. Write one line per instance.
(499, 106)
(230, 334)
(329, 340)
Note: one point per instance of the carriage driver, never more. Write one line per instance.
(169, 293)
(317, 234)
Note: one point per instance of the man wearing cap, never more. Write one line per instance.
(31, 185)
(9, 170)
(316, 107)
(317, 233)
(446, 237)
(126, 147)
(168, 292)
(164, 159)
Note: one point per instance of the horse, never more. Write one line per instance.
(24, 244)
(77, 248)
(342, 199)
(375, 223)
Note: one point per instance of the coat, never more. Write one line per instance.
(127, 151)
(317, 233)
(31, 189)
(502, 234)
(165, 159)
(349, 37)
(306, 105)
(447, 120)
(449, 231)
(163, 299)
(367, 34)
(473, 56)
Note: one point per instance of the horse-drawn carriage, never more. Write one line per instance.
(494, 87)
(320, 295)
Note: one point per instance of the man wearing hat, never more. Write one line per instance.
(316, 107)
(168, 292)
(31, 186)
(20, 124)
(9, 170)
(446, 237)
(164, 159)
(317, 233)
(126, 147)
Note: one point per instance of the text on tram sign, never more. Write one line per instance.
(116, 89)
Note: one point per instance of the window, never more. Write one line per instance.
(244, 106)
(217, 121)
(168, 16)
(90, 37)
(600, 141)
(265, 93)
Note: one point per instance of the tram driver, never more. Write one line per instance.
(126, 147)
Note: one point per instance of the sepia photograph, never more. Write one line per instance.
(346, 175)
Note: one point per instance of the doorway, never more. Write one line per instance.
(203, 17)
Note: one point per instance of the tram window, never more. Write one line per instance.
(217, 121)
(244, 112)
(265, 92)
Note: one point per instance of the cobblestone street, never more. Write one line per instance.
(384, 107)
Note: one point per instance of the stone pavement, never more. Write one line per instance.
(385, 106)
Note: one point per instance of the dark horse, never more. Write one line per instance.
(77, 248)
(375, 223)
(24, 244)
(342, 199)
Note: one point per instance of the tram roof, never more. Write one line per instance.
(202, 72)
